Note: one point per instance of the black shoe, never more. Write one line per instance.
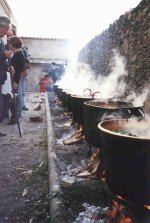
(6, 116)
(2, 134)
(1, 119)
(11, 122)
(24, 108)
(19, 116)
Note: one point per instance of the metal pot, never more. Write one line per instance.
(77, 105)
(96, 111)
(64, 97)
(126, 159)
(59, 92)
(55, 88)
(68, 102)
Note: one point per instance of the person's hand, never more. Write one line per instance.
(15, 86)
(8, 53)
(11, 70)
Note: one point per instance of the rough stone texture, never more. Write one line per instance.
(130, 35)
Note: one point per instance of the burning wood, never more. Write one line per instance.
(94, 163)
(84, 174)
(92, 167)
(117, 214)
(76, 137)
(95, 167)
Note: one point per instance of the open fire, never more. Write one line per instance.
(119, 211)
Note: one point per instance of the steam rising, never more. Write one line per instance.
(80, 76)
(77, 78)
(139, 128)
(138, 99)
(113, 85)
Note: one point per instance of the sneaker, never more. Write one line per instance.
(2, 134)
(24, 108)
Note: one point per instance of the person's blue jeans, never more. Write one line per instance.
(23, 92)
(1, 103)
(20, 96)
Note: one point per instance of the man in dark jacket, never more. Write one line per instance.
(4, 26)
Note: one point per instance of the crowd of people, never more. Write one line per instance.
(12, 74)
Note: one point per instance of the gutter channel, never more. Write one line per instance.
(56, 203)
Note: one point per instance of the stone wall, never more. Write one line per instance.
(130, 35)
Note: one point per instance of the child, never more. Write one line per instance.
(45, 83)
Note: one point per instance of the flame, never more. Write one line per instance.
(116, 214)
(121, 198)
(103, 176)
(147, 207)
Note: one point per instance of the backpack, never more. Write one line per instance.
(26, 58)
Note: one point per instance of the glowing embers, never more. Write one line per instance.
(147, 207)
(117, 213)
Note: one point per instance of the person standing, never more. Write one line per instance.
(45, 83)
(10, 33)
(17, 61)
(4, 26)
(7, 88)
(55, 72)
(24, 75)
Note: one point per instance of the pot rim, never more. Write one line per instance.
(81, 96)
(101, 128)
(66, 90)
(87, 103)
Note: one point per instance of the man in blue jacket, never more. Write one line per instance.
(4, 26)
(55, 72)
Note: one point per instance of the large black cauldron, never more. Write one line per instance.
(63, 97)
(77, 102)
(77, 105)
(127, 159)
(55, 88)
(96, 111)
(68, 102)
